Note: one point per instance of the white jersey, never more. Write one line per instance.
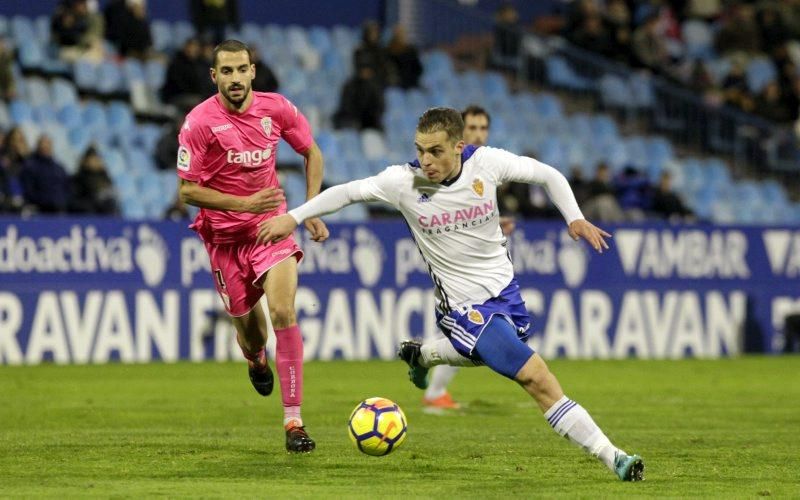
(455, 226)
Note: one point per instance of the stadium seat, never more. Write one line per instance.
(760, 71)
(37, 92)
(109, 78)
(560, 74)
(20, 111)
(698, 39)
(614, 92)
(62, 93)
(85, 75)
(161, 32)
(373, 144)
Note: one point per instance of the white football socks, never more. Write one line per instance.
(568, 418)
(442, 352)
(439, 379)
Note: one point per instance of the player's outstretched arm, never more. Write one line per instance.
(582, 228)
(331, 200)
(314, 169)
(266, 200)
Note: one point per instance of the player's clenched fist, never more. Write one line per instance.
(275, 229)
(266, 200)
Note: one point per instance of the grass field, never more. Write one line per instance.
(705, 428)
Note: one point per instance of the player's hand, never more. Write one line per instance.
(593, 235)
(507, 225)
(275, 229)
(317, 229)
(266, 200)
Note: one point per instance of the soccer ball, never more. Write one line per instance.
(377, 426)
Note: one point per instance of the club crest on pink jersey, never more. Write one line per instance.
(266, 124)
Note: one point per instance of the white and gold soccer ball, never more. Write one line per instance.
(377, 426)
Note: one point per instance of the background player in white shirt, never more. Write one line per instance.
(448, 198)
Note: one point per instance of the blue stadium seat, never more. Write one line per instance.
(698, 38)
(20, 111)
(5, 25)
(614, 92)
(560, 74)
(760, 72)
(120, 118)
(70, 116)
(109, 78)
(62, 93)
(42, 28)
(320, 39)
(548, 106)
(45, 113)
(80, 138)
(37, 92)
(161, 31)
(85, 75)
(155, 74)
(182, 31)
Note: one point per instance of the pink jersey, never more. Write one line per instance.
(235, 154)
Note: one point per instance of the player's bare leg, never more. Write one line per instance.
(251, 333)
(280, 285)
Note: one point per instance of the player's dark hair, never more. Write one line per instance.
(447, 119)
(475, 110)
(231, 46)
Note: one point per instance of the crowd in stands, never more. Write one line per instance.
(746, 54)
(383, 90)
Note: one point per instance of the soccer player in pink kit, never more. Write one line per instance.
(226, 164)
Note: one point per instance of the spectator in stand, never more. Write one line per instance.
(771, 104)
(601, 201)
(370, 54)
(405, 59)
(667, 204)
(45, 183)
(507, 35)
(211, 17)
(361, 103)
(265, 80)
(649, 48)
(774, 32)
(8, 87)
(127, 27)
(13, 156)
(592, 35)
(740, 33)
(167, 145)
(77, 28)
(735, 88)
(186, 82)
(634, 193)
(92, 189)
(618, 20)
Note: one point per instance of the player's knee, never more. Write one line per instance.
(282, 315)
(534, 375)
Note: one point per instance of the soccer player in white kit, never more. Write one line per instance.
(448, 198)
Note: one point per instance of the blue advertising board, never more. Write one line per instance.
(97, 290)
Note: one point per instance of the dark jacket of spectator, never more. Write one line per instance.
(187, 77)
(361, 103)
(8, 87)
(405, 59)
(265, 80)
(372, 55)
(45, 183)
(13, 156)
(211, 17)
(127, 27)
(68, 24)
(92, 189)
(666, 203)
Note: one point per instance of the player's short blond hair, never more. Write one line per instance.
(447, 119)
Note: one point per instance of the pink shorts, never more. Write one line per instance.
(238, 270)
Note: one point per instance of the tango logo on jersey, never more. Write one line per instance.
(477, 186)
(475, 316)
(249, 158)
(266, 124)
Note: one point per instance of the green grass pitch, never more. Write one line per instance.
(727, 428)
